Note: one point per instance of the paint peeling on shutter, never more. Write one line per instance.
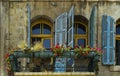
(61, 29)
(108, 41)
(71, 27)
(92, 25)
(70, 34)
(61, 38)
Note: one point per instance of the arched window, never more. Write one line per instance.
(118, 42)
(80, 31)
(41, 31)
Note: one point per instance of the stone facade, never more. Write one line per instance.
(13, 21)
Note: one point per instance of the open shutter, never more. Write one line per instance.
(70, 34)
(28, 8)
(92, 25)
(61, 38)
(108, 41)
(61, 29)
(70, 27)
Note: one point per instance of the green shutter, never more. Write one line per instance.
(108, 41)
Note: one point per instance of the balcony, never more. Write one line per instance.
(83, 65)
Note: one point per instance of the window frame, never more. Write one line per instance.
(80, 36)
(41, 35)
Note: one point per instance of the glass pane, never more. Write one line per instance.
(81, 29)
(118, 29)
(117, 52)
(36, 29)
(47, 29)
(81, 42)
(75, 30)
(34, 40)
(46, 43)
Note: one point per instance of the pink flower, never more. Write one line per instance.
(98, 49)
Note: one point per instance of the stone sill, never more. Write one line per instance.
(115, 68)
(54, 74)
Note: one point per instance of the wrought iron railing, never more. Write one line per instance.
(79, 62)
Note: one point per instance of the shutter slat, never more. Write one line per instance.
(92, 25)
(108, 41)
(70, 27)
(61, 29)
(61, 38)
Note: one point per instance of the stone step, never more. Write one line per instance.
(54, 74)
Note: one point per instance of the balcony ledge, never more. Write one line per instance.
(54, 74)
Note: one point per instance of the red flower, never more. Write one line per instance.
(51, 49)
(7, 55)
(57, 46)
(76, 46)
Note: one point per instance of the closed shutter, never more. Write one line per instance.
(28, 9)
(108, 41)
(71, 27)
(92, 25)
(61, 38)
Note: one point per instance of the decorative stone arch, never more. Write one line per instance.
(42, 17)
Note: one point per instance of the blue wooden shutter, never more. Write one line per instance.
(28, 8)
(92, 25)
(61, 29)
(108, 41)
(61, 38)
(71, 27)
(70, 35)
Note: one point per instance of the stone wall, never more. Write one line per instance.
(13, 21)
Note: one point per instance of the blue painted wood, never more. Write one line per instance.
(71, 27)
(28, 9)
(61, 38)
(92, 26)
(70, 34)
(108, 41)
(61, 29)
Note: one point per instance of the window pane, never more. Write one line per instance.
(117, 52)
(81, 29)
(34, 40)
(47, 29)
(118, 29)
(46, 43)
(75, 30)
(81, 42)
(36, 29)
